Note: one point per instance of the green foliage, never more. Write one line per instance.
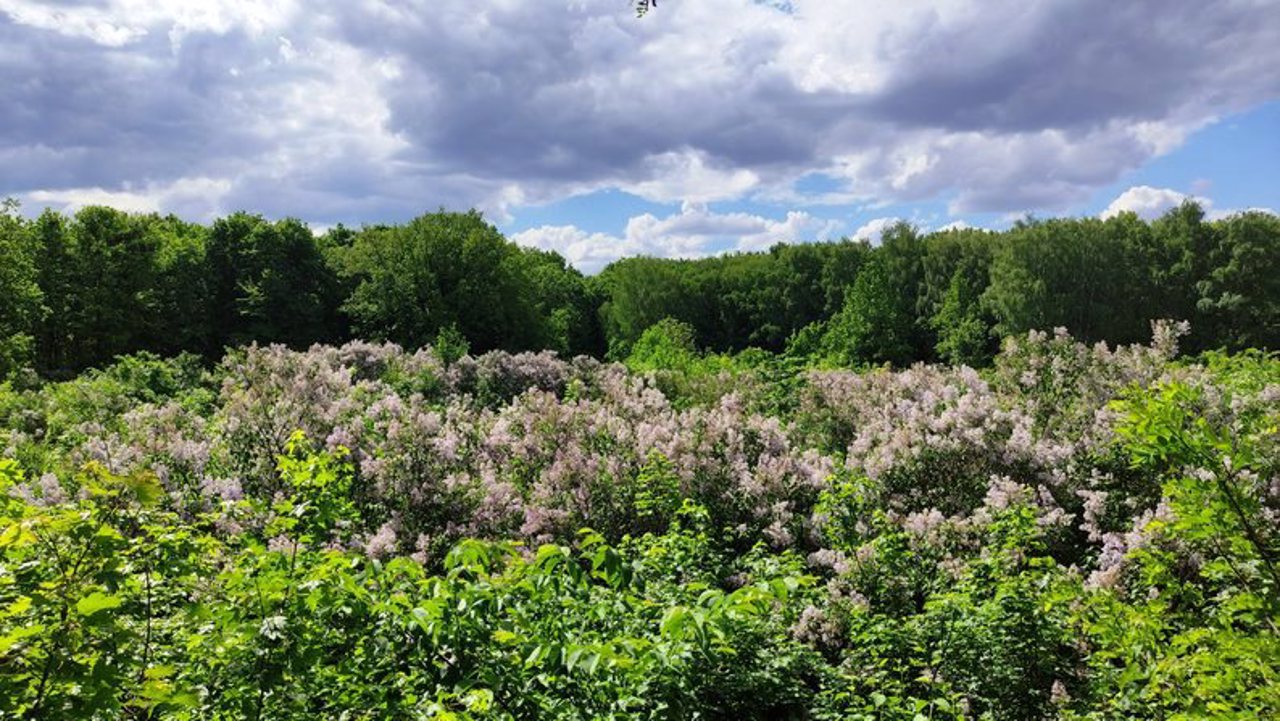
(19, 292)
(81, 595)
(926, 590)
(564, 302)
(964, 330)
(640, 293)
(270, 283)
(667, 353)
(85, 288)
(454, 269)
(874, 326)
(1090, 275)
(112, 606)
(666, 345)
(96, 272)
(1240, 294)
(319, 486)
(917, 634)
(732, 302)
(450, 344)
(1179, 639)
(60, 413)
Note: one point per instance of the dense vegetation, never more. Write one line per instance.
(365, 532)
(77, 291)
(214, 504)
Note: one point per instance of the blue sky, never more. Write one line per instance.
(708, 126)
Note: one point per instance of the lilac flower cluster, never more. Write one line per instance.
(534, 446)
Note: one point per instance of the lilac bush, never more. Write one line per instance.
(997, 542)
(534, 446)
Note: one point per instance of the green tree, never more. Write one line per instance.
(875, 325)
(640, 292)
(962, 327)
(97, 272)
(1082, 274)
(957, 270)
(878, 322)
(668, 344)
(56, 277)
(180, 297)
(270, 282)
(439, 270)
(19, 291)
(1239, 299)
(1180, 261)
(565, 305)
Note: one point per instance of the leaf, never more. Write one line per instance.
(590, 662)
(674, 621)
(146, 486)
(12, 638)
(18, 607)
(426, 619)
(571, 658)
(159, 672)
(97, 601)
(536, 655)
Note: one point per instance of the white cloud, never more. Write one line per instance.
(588, 252)
(376, 110)
(1149, 203)
(116, 23)
(686, 176)
(874, 229)
(1228, 212)
(694, 232)
(193, 197)
(90, 23)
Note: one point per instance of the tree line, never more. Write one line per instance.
(78, 290)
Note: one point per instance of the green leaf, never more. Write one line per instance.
(11, 639)
(97, 601)
(590, 662)
(146, 486)
(674, 620)
(17, 607)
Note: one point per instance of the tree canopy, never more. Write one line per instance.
(80, 289)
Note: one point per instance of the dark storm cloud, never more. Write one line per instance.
(1083, 63)
(378, 110)
(80, 114)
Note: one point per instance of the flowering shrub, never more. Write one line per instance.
(1079, 532)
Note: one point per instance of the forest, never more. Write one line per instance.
(76, 291)
(249, 471)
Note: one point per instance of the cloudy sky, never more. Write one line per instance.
(709, 125)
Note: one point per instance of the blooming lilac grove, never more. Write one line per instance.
(534, 447)
(981, 510)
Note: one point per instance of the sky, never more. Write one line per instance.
(707, 126)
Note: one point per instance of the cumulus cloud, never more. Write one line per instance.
(694, 232)
(685, 176)
(191, 197)
(873, 230)
(1229, 212)
(1150, 203)
(376, 110)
